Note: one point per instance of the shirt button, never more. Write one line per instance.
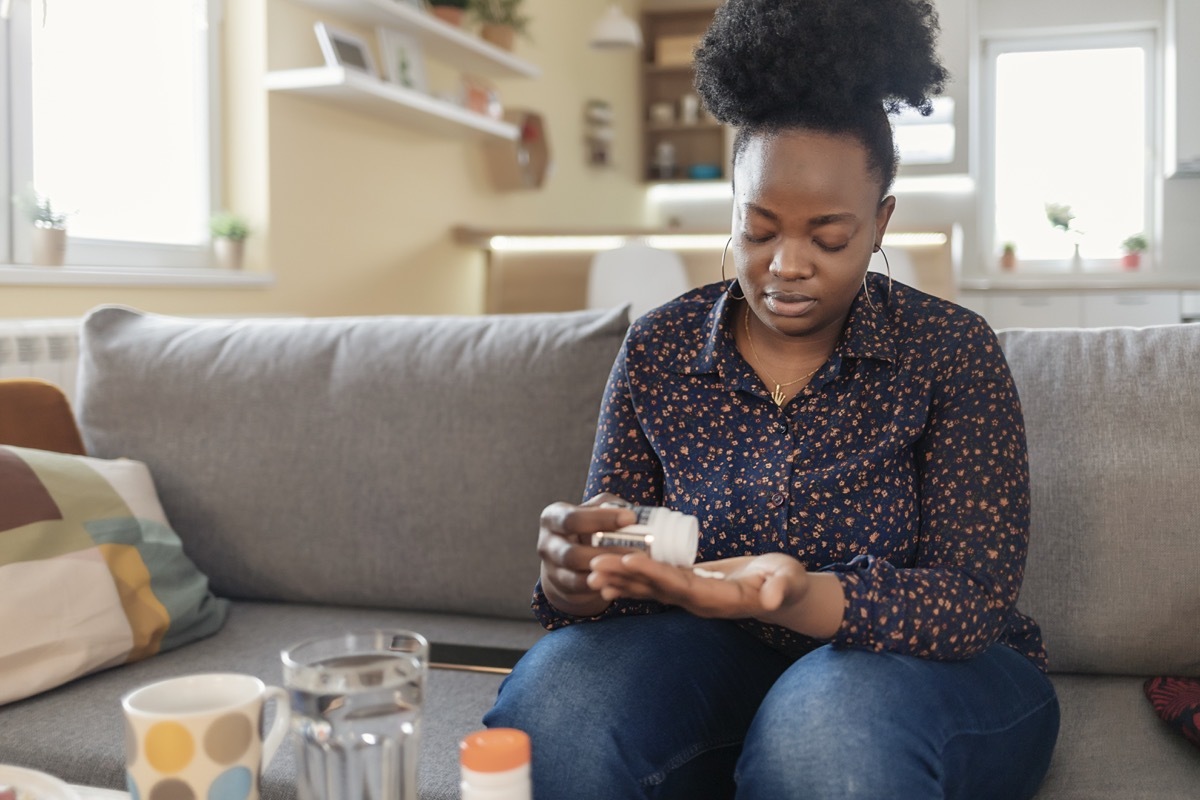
(779, 427)
(777, 499)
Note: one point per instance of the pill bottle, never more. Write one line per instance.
(668, 536)
(495, 765)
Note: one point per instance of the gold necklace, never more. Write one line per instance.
(777, 395)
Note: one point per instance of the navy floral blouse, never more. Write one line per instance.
(901, 467)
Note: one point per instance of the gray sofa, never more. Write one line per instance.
(352, 473)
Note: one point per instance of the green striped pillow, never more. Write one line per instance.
(91, 573)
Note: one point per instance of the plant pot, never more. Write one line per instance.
(1131, 260)
(49, 246)
(1008, 260)
(229, 252)
(451, 15)
(502, 36)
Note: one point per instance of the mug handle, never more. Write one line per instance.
(279, 725)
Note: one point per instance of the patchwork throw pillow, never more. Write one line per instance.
(1177, 702)
(91, 573)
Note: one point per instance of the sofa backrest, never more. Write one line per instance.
(396, 462)
(1113, 424)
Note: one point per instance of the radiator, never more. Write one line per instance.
(41, 348)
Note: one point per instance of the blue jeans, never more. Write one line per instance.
(674, 706)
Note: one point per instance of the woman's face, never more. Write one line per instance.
(806, 218)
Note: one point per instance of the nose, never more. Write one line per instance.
(792, 261)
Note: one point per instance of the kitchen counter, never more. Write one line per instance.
(1093, 282)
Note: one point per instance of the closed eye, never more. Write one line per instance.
(757, 239)
(828, 248)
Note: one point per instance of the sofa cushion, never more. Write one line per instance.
(396, 462)
(91, 574)
(1113, 423)
(1112, 747)
(1177, 703)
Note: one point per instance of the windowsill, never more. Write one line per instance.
(11, 275)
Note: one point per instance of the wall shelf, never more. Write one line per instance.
(682, 144)
(440, 40)
(364, 94)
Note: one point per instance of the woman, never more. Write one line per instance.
(855, 454)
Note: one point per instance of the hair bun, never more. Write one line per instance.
(780, 62)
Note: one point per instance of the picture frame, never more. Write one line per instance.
(344, 49)
(403, 59)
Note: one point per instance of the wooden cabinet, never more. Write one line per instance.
(1075, 309)
(1189, 307)
(363, 93)
(679, 141)
(1129, 309)
(1034, 310)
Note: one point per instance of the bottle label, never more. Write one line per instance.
(630, 539)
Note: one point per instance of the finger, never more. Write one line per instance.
(563, 552)
(609, 499)
(621, 587)
(668, 583)
(580, 522)
(726, 566)
(568, 582)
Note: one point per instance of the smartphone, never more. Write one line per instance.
(474, 658)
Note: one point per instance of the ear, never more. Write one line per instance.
(883, 215)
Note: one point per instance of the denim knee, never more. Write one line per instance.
(855, 724)
(637, 707)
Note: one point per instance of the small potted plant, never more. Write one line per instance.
(1008, 256)
(229, 232)
(1061, 217)
(501, 21)
(49, 239)
(450, 11)
(1133, 246)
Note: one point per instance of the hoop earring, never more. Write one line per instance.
(867, 293)
(887, 264)
(878, 249)
(729, 284)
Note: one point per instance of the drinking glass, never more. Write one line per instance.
(356, 713)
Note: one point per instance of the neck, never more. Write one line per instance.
(784, 351)
(784, 371)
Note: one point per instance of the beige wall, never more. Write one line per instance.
(353, 214)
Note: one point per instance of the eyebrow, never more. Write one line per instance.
(819, 221)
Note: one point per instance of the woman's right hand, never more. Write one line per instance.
(564, 544)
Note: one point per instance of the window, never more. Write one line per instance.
(1069, 121)
(926, 140)
(111, 108)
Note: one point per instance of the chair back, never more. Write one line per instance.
(36, 414)
(643, 276)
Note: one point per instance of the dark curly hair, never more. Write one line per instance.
(835, 66)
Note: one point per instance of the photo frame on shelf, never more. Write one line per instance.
(403, 59)
(344, 49)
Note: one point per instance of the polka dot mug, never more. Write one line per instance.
(197, 737)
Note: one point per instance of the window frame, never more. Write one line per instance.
(16, 160)
(992, 46)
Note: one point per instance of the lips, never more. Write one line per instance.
(790, 304)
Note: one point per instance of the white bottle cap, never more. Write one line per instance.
(676, 536)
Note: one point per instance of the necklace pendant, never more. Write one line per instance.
(778, 396)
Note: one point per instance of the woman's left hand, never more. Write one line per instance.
(762, 587)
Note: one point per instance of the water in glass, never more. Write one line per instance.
(357, 718)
